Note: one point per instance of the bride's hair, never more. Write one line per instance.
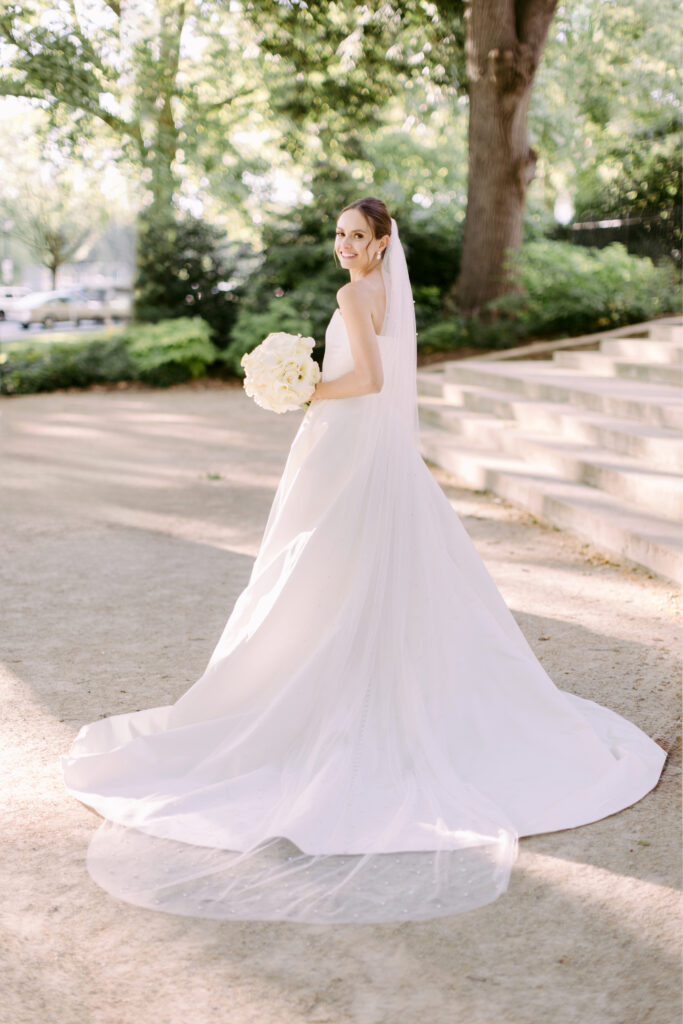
(376, 214)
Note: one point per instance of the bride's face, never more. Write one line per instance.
(355, 243)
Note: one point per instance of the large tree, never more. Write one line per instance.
(505, 40)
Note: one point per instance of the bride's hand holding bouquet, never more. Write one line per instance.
(280, 373)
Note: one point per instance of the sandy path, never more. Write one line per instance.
(129, 523)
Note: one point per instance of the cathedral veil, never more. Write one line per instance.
(320, 794)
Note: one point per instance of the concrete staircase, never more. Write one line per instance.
(590, 441)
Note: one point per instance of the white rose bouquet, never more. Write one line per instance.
(280, 373)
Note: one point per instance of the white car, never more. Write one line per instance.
(86, 303)
(9, 293)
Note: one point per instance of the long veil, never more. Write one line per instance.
(399, 835)
(398, 397)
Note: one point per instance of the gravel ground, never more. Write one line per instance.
(130, 520)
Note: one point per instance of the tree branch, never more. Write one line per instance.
(117, 124)
(206, 107)
(19, 89)
(88, 49)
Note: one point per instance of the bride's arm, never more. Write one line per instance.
(366, 377)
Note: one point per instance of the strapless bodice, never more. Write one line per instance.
(338, 358)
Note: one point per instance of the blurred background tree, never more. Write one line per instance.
(52, 221)
(146, 74)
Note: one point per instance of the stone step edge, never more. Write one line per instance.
(572, 360)
(636, 428)
(650, 484)
(602, 454)
(659, 493)
(613, 526)
(538, 349)
(554, 376)
(649, 406)
(515, 464)
(656, 353)
(669, 374)
(549, 372)
(568, 447)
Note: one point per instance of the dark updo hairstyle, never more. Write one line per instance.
(375, 213)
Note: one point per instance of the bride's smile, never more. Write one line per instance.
(356, 245)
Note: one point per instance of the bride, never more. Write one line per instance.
(372, 733)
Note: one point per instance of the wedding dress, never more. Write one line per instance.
(372, 732)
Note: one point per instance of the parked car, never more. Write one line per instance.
(113, 302)
(87, 303)
(47, 308)
(9, 293)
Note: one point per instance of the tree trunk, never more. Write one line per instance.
(505, 40)
(156, 221)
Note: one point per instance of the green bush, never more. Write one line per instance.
(569, 289)
(64, 365)
(466, 332)
(171, 351)
(186, 267)
(251, 328)
(563, 289)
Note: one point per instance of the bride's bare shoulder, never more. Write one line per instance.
(352, 294)
(356, 298)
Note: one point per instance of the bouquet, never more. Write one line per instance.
(280, 373)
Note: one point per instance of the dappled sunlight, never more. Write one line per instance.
(57, 430)
(648, 911)
(172, 427)
(30, 757)
(197, 466)
(151, 475)
(222, 536)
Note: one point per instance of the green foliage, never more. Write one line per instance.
(568, 289)
(160, 354)
(605, 116)
(466, 332)
(433, 246)
(171, 351)
(294, 287)
(184, 268)
(563, 289)
(333, 69)
(251, 328)
(27, 370)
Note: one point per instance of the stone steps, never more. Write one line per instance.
(649, 487)
(660, 447)
(544, 380)
(600, 364)
(659, 330)
(607, 522)
(575, 439)
(667, 352)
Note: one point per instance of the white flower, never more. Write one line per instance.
(280, 372)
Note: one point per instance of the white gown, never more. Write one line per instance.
(372, 732)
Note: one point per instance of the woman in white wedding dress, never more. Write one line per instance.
(372, 732)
